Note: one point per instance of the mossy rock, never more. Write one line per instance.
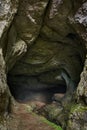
(78, 117)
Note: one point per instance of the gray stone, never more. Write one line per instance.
(29, 19)
(82, 87)
(56, 19)
(79, 21)
(78, 118)
(7, 12)
(4, 91)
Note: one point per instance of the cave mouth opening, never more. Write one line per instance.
(23, 92)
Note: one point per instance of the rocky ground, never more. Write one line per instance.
(23, 119)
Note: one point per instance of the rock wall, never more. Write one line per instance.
(78, 113)
(42, 36)
(4, 90)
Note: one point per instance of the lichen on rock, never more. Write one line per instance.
(78, 118)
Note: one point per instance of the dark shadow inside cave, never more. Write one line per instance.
(24, 93)
(26, 87)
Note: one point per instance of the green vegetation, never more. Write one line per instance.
(78, 108)
(56, 127)
(43, 119)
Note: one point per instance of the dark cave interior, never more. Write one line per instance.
(28, 88)
(24, 93)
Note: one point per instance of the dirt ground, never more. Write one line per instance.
(23, 119)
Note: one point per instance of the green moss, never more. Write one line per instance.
(53, 111)
(78, 108)
(56, 127)
(43, 119)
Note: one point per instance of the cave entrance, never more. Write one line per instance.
(22, 91)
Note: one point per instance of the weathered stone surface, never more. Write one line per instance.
(7, 10)
(15, 49)
(55, 112)
(56, 25)
(29, 18)
(79, 21)
(78, 114)
(4, 92)
(78, 118)
(82, 87)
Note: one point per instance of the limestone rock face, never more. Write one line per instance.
(78, 118)
(7, 10)
(29, 19)
(79, 111)
(4, 90)
(79, 21)
(82, 87)
(56, 26)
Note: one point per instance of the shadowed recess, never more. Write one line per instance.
(33, 90)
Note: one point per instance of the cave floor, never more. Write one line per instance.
(23, 119)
